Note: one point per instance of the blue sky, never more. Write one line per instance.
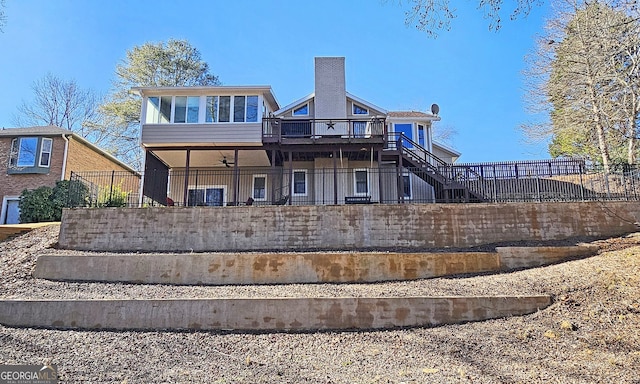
(472, 73)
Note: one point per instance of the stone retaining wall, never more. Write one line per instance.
(339, 227)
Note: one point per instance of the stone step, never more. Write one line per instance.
(286, 268)
(264, 314)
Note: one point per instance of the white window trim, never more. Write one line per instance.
(253, 187)
(306, 182)
(293, 110)
(353, 110)
(205, 187)
(355, 182)
(42, 151)
(410, 197)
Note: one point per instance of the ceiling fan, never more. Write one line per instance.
(226, 162)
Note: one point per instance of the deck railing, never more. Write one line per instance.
(275, 129)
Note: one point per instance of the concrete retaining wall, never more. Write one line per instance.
(283, 268)
(264, 314)
(338, 227)
(528, 257)
(262, 268)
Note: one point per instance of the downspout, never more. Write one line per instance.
(66, 154)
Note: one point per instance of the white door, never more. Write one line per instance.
(13, 212)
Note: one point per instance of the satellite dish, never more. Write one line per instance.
(435, 109)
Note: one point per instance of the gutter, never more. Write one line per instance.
(66, 154)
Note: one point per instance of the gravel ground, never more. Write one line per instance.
(591, 334)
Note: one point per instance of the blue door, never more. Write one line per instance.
(407, 131)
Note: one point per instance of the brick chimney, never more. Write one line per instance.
(331, 93)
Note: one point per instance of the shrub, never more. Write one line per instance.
(113, 197)
(45, 203)
(36, 205)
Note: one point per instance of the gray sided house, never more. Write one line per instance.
(231, 145)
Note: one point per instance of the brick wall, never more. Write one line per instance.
(14, 184)
(339, 227)
(82, 158)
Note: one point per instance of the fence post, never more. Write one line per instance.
(538, 188)
(111, 189)
(581, 185)
(495, 185)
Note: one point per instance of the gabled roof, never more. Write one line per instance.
(313, 94)
(52, 130)
(297, 102)
(366, 103)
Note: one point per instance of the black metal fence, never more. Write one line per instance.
(551, 180)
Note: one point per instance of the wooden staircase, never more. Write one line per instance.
(426, 165)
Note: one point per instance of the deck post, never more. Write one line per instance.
(185, 193)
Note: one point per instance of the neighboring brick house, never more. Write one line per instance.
(39, 156)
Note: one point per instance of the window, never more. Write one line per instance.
(259, 187)
(211, 115)
(23, 152)
(30, 155)
(238, 109)
(225, 109)
(165, 109)
(252, 109)
(421, 140)
(358, 110)
(361, 181)
(301, 111)
(300, 183)
(153, 110)
(406, 184)
(186, 109)
(206, 196)
(45, 152)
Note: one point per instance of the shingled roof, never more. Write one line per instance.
(409, 114)
(50, 130)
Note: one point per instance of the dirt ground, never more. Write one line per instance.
(590, 334)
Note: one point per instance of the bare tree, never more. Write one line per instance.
(3, 15)
(61, 103)
(64, 104)
(433, 16)
(583, 76)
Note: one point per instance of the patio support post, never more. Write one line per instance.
(290, 153)
(185, 193)
(273, 175)
(380, 183)
(236, 177)
(335, 178)
(400, 179)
